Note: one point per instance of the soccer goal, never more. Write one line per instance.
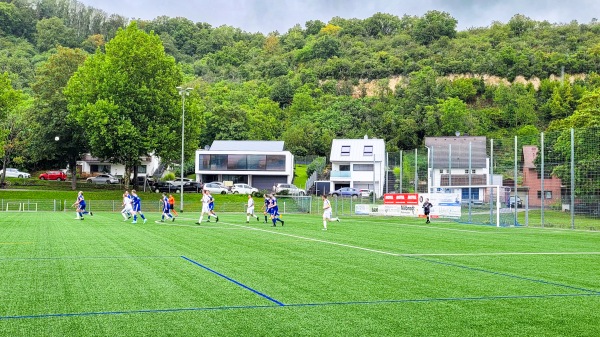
(21, 207)
(482, 204)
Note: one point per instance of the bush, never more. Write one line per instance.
(317, 165)
(168, 176)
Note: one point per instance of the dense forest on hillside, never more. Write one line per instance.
(396, 78)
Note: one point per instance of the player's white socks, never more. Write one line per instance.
(200, 220)
(325, 224)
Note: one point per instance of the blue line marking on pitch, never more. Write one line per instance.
(424, 300)
(503, 274)
(234, 281)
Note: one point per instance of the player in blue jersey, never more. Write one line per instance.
(80, 203)
(137, 207)
(274, 211)
(211, 207)
(265, 207)
(166, 208)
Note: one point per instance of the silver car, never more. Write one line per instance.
(14, 173)
(103, 179)
(215, 188)
(243, 189)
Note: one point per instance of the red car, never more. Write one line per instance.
(53, 175)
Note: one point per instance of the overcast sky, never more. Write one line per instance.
(269, 15)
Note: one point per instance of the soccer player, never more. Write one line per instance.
(137, 207)
(211, 207)
(265, 207)
(274, 211)
(327, 212)
(127, 208)
(205, 202)
(80, 203)
(172, 204)
(250, 209)
(427, 209)
(166, 208)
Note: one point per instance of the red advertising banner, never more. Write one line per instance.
(401, 198)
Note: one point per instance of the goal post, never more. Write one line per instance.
(480, 203)
(14, 206)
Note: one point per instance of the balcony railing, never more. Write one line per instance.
(340, 174)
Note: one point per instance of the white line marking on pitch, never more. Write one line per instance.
(175, 224)
(409, 254)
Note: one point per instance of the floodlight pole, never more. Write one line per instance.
(182, 92)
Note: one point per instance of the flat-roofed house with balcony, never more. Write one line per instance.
(261, 164)
(358, 163)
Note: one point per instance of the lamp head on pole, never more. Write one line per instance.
(185, 91)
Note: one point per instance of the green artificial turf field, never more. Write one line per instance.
(364, 276)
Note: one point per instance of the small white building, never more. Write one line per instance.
(90, 166)
(358, 163)
(261, 164)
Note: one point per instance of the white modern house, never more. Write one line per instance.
(261, 164)
(89, 166)
(458, 161)
(358, 163)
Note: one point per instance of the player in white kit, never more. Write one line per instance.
(250, 209)
(327, 212)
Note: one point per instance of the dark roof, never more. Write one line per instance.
(247, 145)
(441, 148)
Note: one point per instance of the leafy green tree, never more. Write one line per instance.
(126, 100)
(51, 114)
(13, 124)
(52, 32)
(433, 26)
(454, 116)
(381, 24)
(586, 122)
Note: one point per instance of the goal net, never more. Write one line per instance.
(480, 204)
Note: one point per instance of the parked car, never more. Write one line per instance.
(215, 188)
(193, 186)
(142, 180)
(103, 179)
(14, 173)
(365, 193)
(53, 175)
(243, 189)
(345, 192)
(511, 202)
(165, 186)
(228, 188)
(180, 181)
(290, 188)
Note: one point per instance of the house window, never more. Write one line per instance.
(275, 163)
(345, 150)
(441, 171)
(547, 174)
(344, 167)
(100, 168)
(363, 167)
(142, 169)
(467, 171)
(368, 150)
(547, 193)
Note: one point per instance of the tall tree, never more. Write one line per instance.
(51, 114)
(126, 100)
(12, 122)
